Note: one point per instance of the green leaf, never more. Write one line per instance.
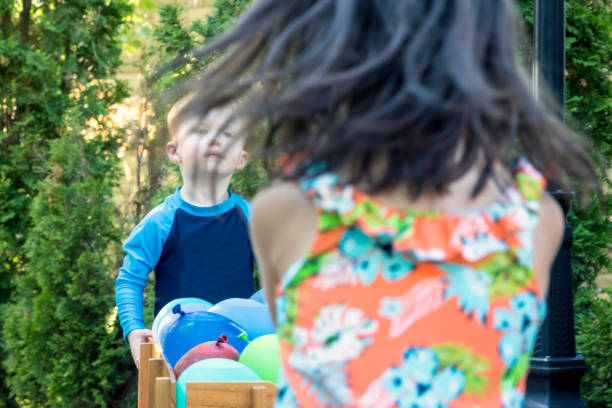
(512, 376)
(328, 220)
(286, 331)
(473, 366)
(508, 278)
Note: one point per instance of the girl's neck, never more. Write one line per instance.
(204, 193)
(456, 199)
(458, 196)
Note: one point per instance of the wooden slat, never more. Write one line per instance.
(173, 394)
(167, 369)
(162, 392)
(230, 395)
(155, 370)
(146, 351)
(258, 396)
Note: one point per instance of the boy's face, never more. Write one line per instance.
(200, 148)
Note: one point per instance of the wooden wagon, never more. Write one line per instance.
(157, 387)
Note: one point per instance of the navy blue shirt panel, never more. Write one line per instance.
(205, 257)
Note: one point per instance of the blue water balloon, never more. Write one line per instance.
(259, 296)
(249, 314)
(194, 328)
(165, 317)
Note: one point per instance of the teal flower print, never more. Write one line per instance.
(498, 210)
(525, 256)
(471, 288)
(399, 386)
(371, 256)
(416, 383)
(285, 398)
(325, 380)
(367, 268)
(281, 304)
(525, 235)
(421, 364)
(395, 266)
(447, 384)
(355, 243)
(330, 194)
(511, 348)
(533, 311)
(339, 334)
(390, 307)
(512, 398)
(520, 326)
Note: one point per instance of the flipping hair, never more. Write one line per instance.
(432, 87)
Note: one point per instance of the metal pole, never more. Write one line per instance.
(549, 58)
(556, 369)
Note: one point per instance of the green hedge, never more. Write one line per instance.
(64, 348)
(594, 339)
(57, 68)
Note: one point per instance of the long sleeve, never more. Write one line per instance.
(143, 249)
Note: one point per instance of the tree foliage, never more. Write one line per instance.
(63, 347)
(589, 103)
(594, 340)
(57, 63)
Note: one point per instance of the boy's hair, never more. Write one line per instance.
(178, 113)
(189, 107)
(411, 81)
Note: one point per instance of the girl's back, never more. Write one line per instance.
(378, 306)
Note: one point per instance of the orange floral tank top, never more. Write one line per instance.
(410, 309)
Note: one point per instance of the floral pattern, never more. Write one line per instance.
(421, 380)
(371, 257)
(407, 389)
(471, 287)
(471, 236)
(338, 335)
(519, 326)
(411, 309)
(421, 300)
(512, 398)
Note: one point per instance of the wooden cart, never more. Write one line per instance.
(157, 388)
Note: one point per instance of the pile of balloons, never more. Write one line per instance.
(233, 340)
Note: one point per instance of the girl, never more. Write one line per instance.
(406, 252)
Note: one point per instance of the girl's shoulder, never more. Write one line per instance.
(279, 199)
(283, 224)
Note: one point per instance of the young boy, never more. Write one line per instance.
(198, 244)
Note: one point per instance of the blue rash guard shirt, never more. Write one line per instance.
(202, 252)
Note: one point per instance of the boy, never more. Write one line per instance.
(198, 244)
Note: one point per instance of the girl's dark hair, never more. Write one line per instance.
(433, 87)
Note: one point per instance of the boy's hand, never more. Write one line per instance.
(135, 338)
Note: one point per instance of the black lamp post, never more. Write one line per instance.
(556, 368)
